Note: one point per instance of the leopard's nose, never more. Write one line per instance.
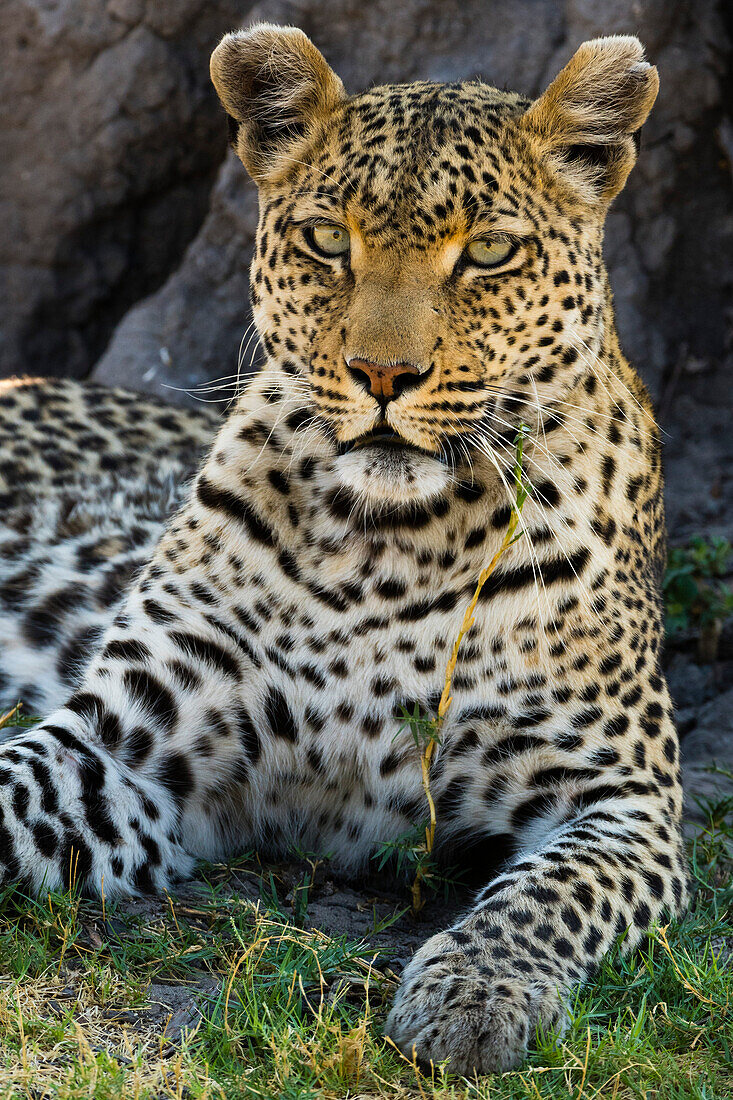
(385, 381)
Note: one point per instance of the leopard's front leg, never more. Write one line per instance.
(72, 814)
(477, 993)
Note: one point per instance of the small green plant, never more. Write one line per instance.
(13, 718)
(411, 853)
(696, 597)
(301, 892)
(416, 847)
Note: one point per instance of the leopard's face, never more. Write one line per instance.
(428, 269)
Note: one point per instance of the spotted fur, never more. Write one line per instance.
(229, 676)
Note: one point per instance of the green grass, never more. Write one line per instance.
(291, 1013)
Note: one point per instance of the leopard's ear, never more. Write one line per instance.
(275, 87)
(587, 118)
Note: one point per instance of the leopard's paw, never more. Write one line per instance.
(456, 1003)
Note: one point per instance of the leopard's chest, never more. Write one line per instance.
(337, 767)
(336, 642)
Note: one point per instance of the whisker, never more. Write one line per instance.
(520, 397)
(312, 168)
(534, 559)
(556, 516)
(611, 374)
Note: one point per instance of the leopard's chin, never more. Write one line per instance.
(388, 473)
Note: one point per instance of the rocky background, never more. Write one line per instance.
(127, 228)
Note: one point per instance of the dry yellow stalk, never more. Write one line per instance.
(428, 749)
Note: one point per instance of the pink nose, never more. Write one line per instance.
(383, 381)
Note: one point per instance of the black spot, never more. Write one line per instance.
(530, 809)
(279, 716)
(390, 589)
(279, 482)
(642, 915)
(157, 612)
(174, 772)
(415, 611)
(45, 838)
(152, 695)
(475, 538)
(552, 570)
(138, 745)
(469, 491)
(128, 649)
(289, 565)
(655, 884)
(608, 469)
(43, 623)
(501, 517)
(203, 649)
(248, 735)
(546, 493)
(110, 729)
(217, 499)
(20, 801)
(616, 726)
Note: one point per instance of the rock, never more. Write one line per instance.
(190, 332)
(183, 1007)
(111, 137)
(712, 738)
(690, 684)
(707, 748)
(698, 454)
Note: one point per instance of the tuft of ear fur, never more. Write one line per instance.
(276, 87)
(588, 116)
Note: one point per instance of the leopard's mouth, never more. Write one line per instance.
(386, 439)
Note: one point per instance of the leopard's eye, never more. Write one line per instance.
(329, 240)
(487, 253)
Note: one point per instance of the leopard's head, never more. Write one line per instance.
(428, 268)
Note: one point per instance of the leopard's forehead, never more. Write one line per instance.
(438, 110)
(408, 128)
(415, 154)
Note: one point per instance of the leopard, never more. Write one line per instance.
(223, 618)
